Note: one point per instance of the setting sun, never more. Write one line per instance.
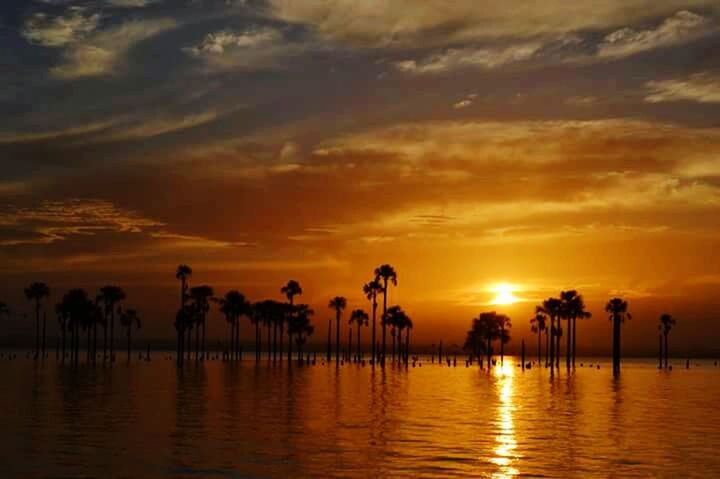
(504, 294)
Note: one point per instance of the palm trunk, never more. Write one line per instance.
(37, 328)
(337, 338)
(282, 333)
(552, 343)
(489, 353)
(660, 351)
(616, 346)
(112, 335)
(289, 347)
(357, 352)
(329, 353)
(574, 343)
(238, 354)
(666, 350)
(94, 358)
(384, 347)
(274, 342)
(43, 333)
(105, 338)
(557, 347)
(188, 345)
(89, 349)
(204, 334)
(374, 314)
(547, 347)
(539, 352)
(407, 346)
(197, 342)
(569, 344)
(392, 353)
(269, 345)
(62, 332)
(349, 351)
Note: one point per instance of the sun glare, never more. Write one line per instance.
(504, 294)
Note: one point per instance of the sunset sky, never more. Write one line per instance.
(545, 145)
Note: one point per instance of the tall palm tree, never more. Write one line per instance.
(111, 297)
(400, 322)
(552, 307)
(504, 324)
(371, 290)
(182, 273)
(201, 296)
(360, 318)
(62, 317)
(573, 308)
(256, 318)
(129, 319)
(387, 275)
(538, 325)
(666, 323)
(618, 310)
(338, 303)
(299, 327)
(36, 292)
(290, 290)
(183, 319)
(234, 305)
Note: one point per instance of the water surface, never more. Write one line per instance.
(247, 420)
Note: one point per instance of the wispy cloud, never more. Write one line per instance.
(58, 31)
(455, 58)
(700, 88)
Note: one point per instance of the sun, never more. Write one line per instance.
(504, 294)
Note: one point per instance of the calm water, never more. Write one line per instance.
(243, 420)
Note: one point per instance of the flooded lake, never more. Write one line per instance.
(149, 419)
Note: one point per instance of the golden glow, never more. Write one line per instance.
(505, 455)
(504, 294)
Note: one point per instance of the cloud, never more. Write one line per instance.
(679, 28)
(216, 43)
(27, 137)
(433, 23)
(131, 3)
(74, 25)
(104, 52)
(700, 88)
(454, 58)
(152, 127)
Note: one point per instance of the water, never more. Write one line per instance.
(243, 420)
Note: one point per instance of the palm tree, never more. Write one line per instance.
(183, 319)
(474, 341)
(400, 322)
(233, 306)
(77, 309)
(504, 324)
(290, 290)
(488, 326)
(256, 318)
(371, 290)
(182, 273)
(666, 323)
(111, 297)
(128, 319)
(538, 324)
(618, 310)
(387, 274)
(62, 317)
(299, 326)
(36, 292)
(338, 303)
(552, 308)
(573, 308)
(201, 296)
(359, 317)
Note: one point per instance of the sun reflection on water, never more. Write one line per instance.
(505, 455)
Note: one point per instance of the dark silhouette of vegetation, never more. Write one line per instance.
(360, 318)
(552, 307)
(299, 328)
(618, 311)
(486, 328)
(110, 297)
(128, 319)
(504, 324)
(183, 328)
(201, 297)
(538, 325)
(666, 324)
(290, 290)
(233, 306)
(338, 303)
(572, 309)
(371, 290)
(387, 275)
(37, 292)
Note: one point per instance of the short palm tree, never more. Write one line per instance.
(338, 303)
(538, 325)
(387, 275)
(37, 292)
(129, 319)
(111, 297)
(233, 305)
(572, 309)
(504, 324)
(360, 318)
(552, 307)
(299, 328)
(618, 311)
(666, 324)
(371, 290)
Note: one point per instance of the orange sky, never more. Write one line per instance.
(554, 147)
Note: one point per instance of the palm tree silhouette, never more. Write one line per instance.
(338, 303)
(182, 273)
(256, 318)
(201, 296)
(110, 297)
(128, 319)
(504, 324)
(475, 341)
(618, 310)
(290, 290)
(489, 327)
(572, 308)
(400, 322)
(299, 327)
(387, 274)
(359, 317)
(183, 320)
(552, 307)
(538, 325)
(62, 317)
(233, 305)
(666, 323)
(77, 309)
(36, 292)
(371, 290)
